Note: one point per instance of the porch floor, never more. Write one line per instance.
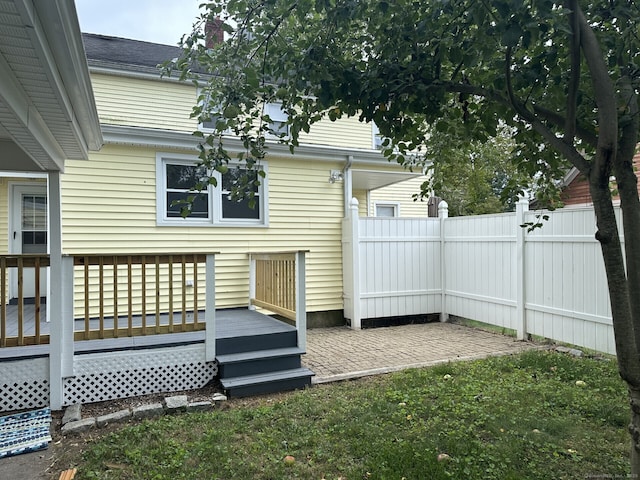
(230, 323)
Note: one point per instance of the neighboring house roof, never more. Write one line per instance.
(575, 190)
(125, 54)
(47, 110)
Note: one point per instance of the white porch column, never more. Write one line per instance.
(443, 214)
(353, 219)
(301, 300)
(59, 298)
(521, 318)
(252, 281)
(210, 309)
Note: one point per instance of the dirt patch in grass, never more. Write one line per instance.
(66, 450)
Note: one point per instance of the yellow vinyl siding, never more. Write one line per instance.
(119, 184)
(344, 132)
(401, 193)
(141, 102)
(144, 103)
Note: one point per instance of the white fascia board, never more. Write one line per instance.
(570, 177)
(147, 137)
(133, 71)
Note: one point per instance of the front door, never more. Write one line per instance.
(29, 233)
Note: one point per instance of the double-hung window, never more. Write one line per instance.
(177, 175)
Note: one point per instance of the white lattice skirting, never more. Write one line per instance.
(107, 376)
(24, 384)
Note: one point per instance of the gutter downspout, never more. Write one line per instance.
(347, 185)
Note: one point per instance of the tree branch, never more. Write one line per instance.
(574, 77)
(568, 150)
(542, 113)
(604, 92)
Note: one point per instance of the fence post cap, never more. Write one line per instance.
(354, 202)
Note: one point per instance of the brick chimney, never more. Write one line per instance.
(213, 32)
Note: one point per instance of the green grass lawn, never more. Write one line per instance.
(518, 417)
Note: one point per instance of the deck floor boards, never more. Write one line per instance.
(230, 323)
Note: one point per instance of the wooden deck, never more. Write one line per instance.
(230, 323)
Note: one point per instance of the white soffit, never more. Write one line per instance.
(371, 179)
(46, 103)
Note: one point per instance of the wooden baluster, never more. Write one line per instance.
(183, 267)
(292, 287)
(170, 266)
(143, 279)
(87, 315)
(36, 306)
(101, 293)
(195, 290)
(157, 292)
(115, 296)
(20, 301)
(129, 297)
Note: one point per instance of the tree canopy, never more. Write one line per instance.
(564, 74)
(474, 178)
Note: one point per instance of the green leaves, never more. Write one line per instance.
(422, 71)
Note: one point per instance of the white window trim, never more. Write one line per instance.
(276, 114)
(215, 208)
(376, 138)
(201, 126)
(394, 205)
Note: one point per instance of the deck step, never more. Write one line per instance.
(271, 382)
(259, 361)
(270, 353)
(248, 343)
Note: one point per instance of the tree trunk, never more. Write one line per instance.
(624, 324)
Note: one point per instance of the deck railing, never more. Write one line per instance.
(277, 284)
(110, 296)
(19, 265)
(137, 295)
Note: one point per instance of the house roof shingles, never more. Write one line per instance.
(125, 54)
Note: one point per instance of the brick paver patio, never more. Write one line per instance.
(340, 353)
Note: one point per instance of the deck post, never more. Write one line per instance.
(356, 321)
(210, 309)
(443, 214)
(301, 300)
(522, 206)
(60, 298)
(252, 281)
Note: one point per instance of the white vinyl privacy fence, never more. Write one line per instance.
(549, 282)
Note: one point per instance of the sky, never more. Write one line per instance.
(158, 21)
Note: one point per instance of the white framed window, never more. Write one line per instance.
(177, 174)
(386, 209)
(210, 124)
(212, 112)
(377, 139)
(278, 119)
